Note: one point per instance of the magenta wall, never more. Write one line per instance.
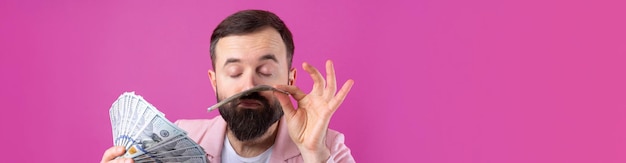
(442, 81)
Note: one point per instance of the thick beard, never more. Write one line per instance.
(250, 124)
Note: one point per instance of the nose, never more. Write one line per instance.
(248, 82)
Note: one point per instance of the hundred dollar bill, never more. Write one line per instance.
(148, 135)
(130, 116)
(126, 111)
(174, 144)
(134, 119)
(115, 118)
(136, 150)
(182, 159)
(142, 120)
(157, 130)
(189, 151)
(129, 113)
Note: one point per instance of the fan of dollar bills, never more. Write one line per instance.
(148, 136)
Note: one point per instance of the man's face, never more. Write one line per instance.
(242, 62)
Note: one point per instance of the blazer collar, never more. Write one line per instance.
(284, 147)
(213, 139)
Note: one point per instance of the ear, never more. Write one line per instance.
(212, 79)
(292, 76)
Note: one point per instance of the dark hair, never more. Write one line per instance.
(248, 21)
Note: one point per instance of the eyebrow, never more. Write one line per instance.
(231, 60)
(269, 57)
(262, 58)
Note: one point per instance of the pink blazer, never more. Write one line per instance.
(209, 133)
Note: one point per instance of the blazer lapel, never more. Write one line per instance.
(284, 147)
(213, 140)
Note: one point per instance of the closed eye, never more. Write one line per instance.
(265, 71)
(235, 75)
(265, 74)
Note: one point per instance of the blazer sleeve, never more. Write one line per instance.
(339, 152)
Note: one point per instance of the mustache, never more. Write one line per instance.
(252, 96)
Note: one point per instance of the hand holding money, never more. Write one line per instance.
(114, 152)
(141, 133)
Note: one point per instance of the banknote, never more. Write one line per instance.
(177, 143)
(193, 150)
(147, 135)
(150, 146)
(181, 159)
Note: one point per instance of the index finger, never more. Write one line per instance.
(318, 80)
(294, 91)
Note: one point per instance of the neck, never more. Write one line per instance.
(255, 147)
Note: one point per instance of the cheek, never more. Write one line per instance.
(222, 92)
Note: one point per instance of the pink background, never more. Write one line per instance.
(443, 81)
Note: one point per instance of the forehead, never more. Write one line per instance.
(251, 45)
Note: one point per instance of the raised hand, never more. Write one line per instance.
(308, 124)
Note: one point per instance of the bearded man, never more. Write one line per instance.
(255, 47)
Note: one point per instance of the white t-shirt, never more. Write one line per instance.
(230, 156)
